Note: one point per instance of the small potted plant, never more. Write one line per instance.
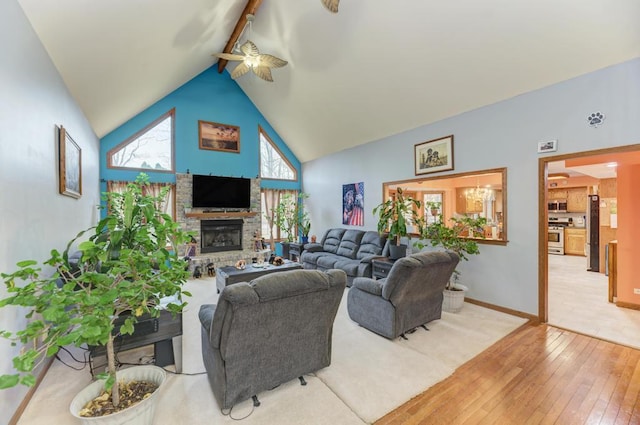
(304, 226)
(128, 264)
(453, 238)
(394, 215)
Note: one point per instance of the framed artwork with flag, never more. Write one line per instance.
(353, 204)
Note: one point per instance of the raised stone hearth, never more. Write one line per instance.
(251, 224)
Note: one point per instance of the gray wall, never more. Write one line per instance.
(34, 218)
(500, 135)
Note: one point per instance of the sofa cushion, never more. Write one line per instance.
(371, 244)
(328, 260)
(332, 240)
(349, 243)
(349, 266)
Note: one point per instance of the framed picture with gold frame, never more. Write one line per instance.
(218, 137)
(434, 155)
(70, 165)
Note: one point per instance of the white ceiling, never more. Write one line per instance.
(377, 68)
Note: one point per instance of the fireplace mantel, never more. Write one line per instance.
(221, 214)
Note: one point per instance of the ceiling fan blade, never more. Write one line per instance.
(332, 5)
(229, 56)
(271, 61)
(263, 72)
(249, 49)
(240, 70)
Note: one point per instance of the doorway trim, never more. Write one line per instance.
(543, 261)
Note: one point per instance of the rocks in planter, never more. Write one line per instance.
(140, 413)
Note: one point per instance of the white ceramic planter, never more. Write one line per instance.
(139, 414)
(454, 300)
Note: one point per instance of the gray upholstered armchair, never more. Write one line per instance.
(270, 331)
(410, 296)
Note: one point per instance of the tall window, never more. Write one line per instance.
(433, 206)
(152, 189)
(273, 164)
(270, 199)
(149, 149)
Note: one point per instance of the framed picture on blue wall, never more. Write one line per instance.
(214, 136)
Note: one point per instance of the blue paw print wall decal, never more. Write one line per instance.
(595, 119)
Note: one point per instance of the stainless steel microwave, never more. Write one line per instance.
(557, 205)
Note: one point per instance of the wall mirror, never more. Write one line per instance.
(476, 193)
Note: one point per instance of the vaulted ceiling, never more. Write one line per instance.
(376, 68)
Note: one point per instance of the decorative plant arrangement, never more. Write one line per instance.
(453, 238)
(394, 215)
(129, 263)
(289, 215)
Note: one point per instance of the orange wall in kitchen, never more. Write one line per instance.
(628, 241)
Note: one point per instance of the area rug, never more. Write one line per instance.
(369, 375)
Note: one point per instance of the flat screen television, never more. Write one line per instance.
(221, 192)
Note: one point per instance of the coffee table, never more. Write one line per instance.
(229, 274)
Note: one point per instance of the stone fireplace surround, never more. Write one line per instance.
(191, 222)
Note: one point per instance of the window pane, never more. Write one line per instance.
(272, 164)
(151, 150)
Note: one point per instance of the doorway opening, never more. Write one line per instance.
(564, 282)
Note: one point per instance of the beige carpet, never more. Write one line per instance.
(369, 375)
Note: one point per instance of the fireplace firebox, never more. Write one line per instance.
(220, 235)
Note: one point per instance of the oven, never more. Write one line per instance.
(555, 236)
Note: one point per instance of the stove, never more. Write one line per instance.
(555, 235)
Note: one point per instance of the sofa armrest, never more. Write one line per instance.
(206, 316)
(313, 247)
(370, 258)
(369, 285)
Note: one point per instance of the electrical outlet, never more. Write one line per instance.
(636, 291)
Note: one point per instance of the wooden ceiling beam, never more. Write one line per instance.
(251, 8)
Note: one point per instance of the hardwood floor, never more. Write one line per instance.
(536, 375)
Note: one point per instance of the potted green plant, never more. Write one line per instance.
(454, 238)
(128, 264)
(394, 215)
(433, 207)
(304, 226)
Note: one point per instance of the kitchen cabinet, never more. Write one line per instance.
(557, 194)
(577, 200)
(465, 204)
(574, 241)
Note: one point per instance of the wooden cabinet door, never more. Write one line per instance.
(574, 241)
(557, 194)
(577, 200)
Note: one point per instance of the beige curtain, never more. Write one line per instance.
(153, 189)
(270, 199)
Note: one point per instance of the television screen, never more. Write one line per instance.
(221, 192)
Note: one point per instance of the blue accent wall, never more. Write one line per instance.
(209, 97)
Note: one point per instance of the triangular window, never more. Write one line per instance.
(273, 164)
(149, 149)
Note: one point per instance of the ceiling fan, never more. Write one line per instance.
(251, 59)
(332, 5)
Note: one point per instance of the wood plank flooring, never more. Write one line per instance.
(538, 374)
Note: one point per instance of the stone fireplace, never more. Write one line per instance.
(220, 235)
(235, 229)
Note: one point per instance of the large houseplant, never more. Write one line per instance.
(129, 263)
(290, 215)
(455, 237)
(394, 215)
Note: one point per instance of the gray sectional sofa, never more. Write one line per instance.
(349, 250)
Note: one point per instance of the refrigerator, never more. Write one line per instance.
(593, 233)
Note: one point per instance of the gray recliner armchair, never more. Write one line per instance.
(410, 296)
(269, 331)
